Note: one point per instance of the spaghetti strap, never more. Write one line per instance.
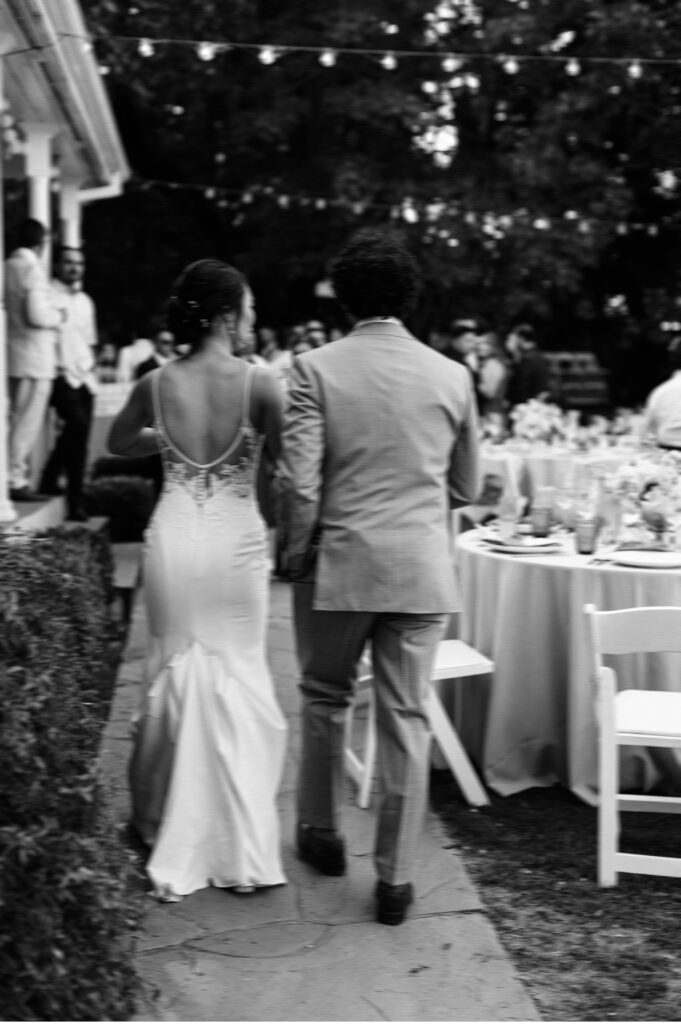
(246, 417)
(156, 398)
(244, 426)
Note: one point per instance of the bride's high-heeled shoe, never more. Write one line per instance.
(166, 895)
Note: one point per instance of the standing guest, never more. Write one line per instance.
(380, 442)
(164, 351)
(530, 370)
(76, 382)
(663, 407)
(492, 375)
(315, 333)
(462, 343)
(32, 321)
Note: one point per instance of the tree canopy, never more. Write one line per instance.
(529, 153)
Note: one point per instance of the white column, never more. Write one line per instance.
(38, 151)
(70, 212)
(7, 512)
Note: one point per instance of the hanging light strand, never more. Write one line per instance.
(450, 61)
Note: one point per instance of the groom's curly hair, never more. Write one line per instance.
(375, 275)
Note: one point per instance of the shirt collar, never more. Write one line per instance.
(379, 320)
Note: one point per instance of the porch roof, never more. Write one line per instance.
(52, 78)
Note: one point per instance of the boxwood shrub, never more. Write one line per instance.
(67, 911)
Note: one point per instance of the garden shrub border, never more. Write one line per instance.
(68, 910)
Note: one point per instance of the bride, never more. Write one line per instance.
(209, 736)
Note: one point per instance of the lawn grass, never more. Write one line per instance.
(584, 953)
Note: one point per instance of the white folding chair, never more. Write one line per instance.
(649, 718)
(454, 660)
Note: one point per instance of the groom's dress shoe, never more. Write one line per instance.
(392, 902)
(323, 849)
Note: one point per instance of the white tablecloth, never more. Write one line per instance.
(109, 400)
(536, 726)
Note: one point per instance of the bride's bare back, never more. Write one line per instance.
(204, 405)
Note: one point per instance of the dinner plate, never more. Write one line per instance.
(502, 548)
(491, 537)
(648, 559)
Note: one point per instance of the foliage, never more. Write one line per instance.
(67, 919)
(600, 147)
(127, 502)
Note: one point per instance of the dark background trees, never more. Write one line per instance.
(560, 202)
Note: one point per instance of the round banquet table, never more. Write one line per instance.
(535, 724)
(543, 465)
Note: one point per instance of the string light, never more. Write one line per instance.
(206, 51)
(145, 48)
(327, 58)
(451, 64)
(267, 55)
(635, 70)
(511, 66)
(389, 61)
(573, 67)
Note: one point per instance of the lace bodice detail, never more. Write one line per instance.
(233, 472)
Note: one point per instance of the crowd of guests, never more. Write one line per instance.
(55, 358)
(504, 374)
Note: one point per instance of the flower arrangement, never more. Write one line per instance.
(650, 489)
(537, 421)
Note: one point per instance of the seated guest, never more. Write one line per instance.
(130, 357)
(107, 360)
(663, 407)
(164, 352)
(530, 369)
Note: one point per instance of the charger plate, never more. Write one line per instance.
(647, 559)
(505, 548)
(529, 542)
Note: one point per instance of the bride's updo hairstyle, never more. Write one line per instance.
(204, 290)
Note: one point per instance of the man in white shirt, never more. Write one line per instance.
(663, 407)
(32, 322)
(76, 382)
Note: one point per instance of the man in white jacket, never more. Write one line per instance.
(33, 320)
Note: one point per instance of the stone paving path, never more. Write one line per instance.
(311, 950)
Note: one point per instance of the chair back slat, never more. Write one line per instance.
(635, 630)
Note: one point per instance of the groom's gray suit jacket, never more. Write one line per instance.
(380, 443)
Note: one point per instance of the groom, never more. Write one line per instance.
(380, 443)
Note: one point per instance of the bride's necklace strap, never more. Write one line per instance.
(379, 320)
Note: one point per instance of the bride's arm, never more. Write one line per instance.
(131, 433)
(268, 412)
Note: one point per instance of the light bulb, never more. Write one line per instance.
(451, 64)
(145, 48)
(511, 66)
(327, 58)
(267, 55)
(389, 62)
(635, 70)
(206, 51)
(573, 67)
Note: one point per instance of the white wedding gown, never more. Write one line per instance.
(209, 736)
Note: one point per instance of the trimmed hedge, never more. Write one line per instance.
(126, 501)
(67, 912)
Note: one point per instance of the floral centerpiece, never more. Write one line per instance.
(537, 421)
(650, 492)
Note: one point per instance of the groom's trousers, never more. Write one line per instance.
(329, 646)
